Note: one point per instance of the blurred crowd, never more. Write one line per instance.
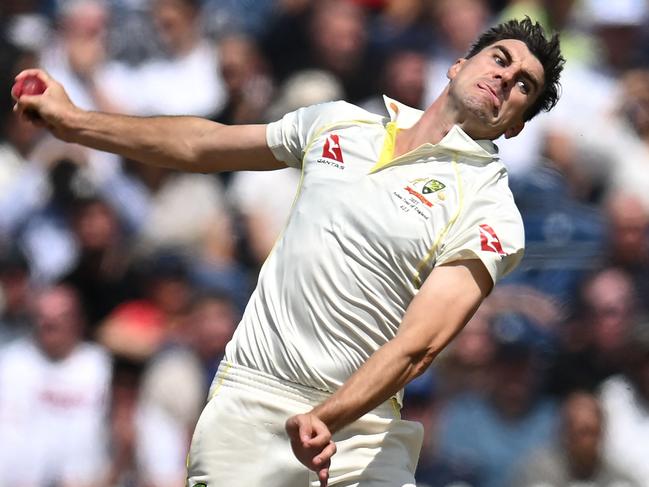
(120, 283)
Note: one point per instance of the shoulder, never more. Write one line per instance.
(336, 112)
(91, 354)
(616, 392)
(18, 349)
(489, 189)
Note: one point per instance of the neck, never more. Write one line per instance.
(434, 124)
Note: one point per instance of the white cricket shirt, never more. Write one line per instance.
(364, 233)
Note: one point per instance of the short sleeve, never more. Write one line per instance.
(288, 137)
(489, 228)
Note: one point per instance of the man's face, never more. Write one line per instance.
(494, 88)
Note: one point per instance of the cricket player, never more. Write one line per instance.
(401, 227)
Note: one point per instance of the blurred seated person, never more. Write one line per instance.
(576, 457)
(566, 238)
(488, 432)
(247, 83)
(333, 36)
(592, 343)
(186, 79)
(103, 273)
(175, 386)
(402, 78)
(628, 238)
(54, 389)
(625, 400)
(16, 293)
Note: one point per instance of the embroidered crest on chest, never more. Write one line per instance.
(420, 194)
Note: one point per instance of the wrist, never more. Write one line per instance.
(73, 123)
(325, 414)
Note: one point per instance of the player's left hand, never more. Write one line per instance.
(311, 443)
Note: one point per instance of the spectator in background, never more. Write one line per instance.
(618, 28)
(175, 387)
(187, 81)
(576, 457)
(53, 399)
(403, 78)
(248, 86)
(16, 293)
(17, 137)
(565, 237)
(583, 115)
(593, 343)
(457, 24)
(34, 213)
(78, 52)
(103, 274)
(121, 423)
(422, 400)
(628, 236)
(627, 143)
(400, 25)
(249, 17)
(176, 209)
(188, 212)
(335, 40)
(487, 433)
(464, 367)
(625, 400)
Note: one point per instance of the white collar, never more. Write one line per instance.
(456, 140)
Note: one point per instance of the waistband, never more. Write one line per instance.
(240, 377)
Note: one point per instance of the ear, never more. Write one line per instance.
(514, 130)
(455, 68)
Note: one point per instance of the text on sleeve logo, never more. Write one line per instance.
(332, 149)
(489, 241)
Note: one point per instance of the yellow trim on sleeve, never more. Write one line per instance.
(460, 196)
(387, 152)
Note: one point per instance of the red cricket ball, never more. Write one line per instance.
(29, 85)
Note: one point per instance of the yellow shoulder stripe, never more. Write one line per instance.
(387, 152)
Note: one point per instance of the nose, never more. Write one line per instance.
(506, 76)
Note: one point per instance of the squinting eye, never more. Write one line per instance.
(499, 60)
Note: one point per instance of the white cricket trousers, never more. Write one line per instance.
(240, 439)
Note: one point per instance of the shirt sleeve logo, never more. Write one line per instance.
(332, 149)
(489, 241)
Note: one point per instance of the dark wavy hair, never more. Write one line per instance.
(547, 51)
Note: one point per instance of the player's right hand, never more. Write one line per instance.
(53, 108)
(311, 443)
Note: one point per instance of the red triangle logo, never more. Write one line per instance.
(332, 149)
(489, 241)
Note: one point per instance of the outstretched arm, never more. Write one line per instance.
(445, 303)
(185, 143)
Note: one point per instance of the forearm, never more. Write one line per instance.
(185, 143)
(386, 372)
(445, 303)
(173, 142)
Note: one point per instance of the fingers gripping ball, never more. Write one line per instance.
(29, 85)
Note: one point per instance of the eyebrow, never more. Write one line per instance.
(508, 56)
